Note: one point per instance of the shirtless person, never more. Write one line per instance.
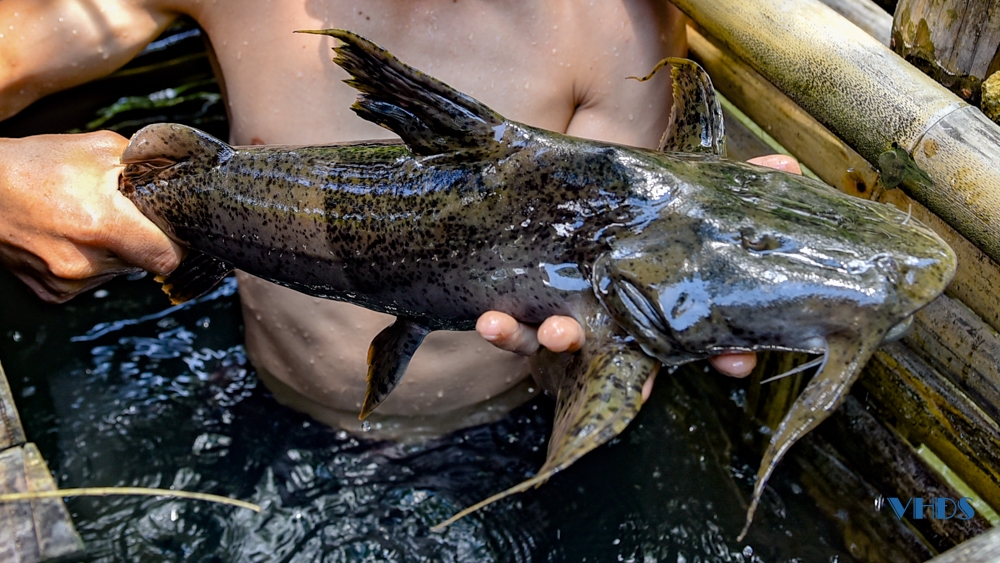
(559, 64)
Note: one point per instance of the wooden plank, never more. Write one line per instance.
(54, 530)
(848, 499)
(35, 530)
(11, 432)
(17, 529)
(741, 142)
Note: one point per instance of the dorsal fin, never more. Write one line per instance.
(430, 116)
(696, 124)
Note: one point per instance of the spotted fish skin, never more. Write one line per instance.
(432, 239)
(663, 257)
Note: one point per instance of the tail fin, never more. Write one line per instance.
(430, 116)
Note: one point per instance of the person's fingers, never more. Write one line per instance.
(734, 364)
(136, 240)
(647, 386)
(504, 332)
(778, 162)
(54, 288)
(561, 334)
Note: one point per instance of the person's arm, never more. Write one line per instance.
(51, 45)
(64, 227)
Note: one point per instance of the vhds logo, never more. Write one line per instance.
(940, 508)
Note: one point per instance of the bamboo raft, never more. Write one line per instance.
(819, 81)
(864, 120)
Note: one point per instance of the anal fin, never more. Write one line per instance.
(388, 356)
(197, 274)
(599, 396)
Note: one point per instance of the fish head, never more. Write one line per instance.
(747, 259)
(165, 166)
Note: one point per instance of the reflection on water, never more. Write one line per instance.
(167, 399)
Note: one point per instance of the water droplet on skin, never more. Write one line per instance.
(366, 426)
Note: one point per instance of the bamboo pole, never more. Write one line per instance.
(892, 466)
(981, 549)
(867, 15)
(953, 41)
(871, 99)
(925, 407)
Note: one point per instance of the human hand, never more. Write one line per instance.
(564, 334)
(64, 226)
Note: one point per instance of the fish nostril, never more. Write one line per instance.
(889, 266)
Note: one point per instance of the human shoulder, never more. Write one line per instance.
(615, 40)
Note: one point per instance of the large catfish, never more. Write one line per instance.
(663, 257)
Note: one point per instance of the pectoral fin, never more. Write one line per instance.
(846, 355)
(196, 276)
(696, 124)
(388, 357)
(598, 398)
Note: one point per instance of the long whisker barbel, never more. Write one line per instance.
(909, 214)
(800, 368)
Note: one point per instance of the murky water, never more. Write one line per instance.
(121, 390)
